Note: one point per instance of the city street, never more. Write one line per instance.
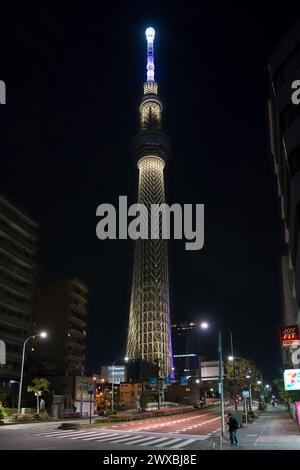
(273, 430)
(179, 432)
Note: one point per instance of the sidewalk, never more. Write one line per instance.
(274, 429)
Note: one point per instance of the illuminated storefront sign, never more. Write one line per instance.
(292, 379)
(289, 336)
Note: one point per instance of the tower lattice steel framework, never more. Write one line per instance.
(149, 334)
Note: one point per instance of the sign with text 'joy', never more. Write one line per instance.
(289, 336)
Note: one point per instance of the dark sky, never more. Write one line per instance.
(74, 73)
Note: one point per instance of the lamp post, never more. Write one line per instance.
(11, 383)
(43, 334)
(126, 359)
(233, 367)
(198, 383)
(204, 326)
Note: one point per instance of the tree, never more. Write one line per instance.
(246, 375)
(38, 386)
(243, 369)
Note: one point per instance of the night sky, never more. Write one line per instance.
(74, 75)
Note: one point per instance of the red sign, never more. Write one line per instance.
(289, 336)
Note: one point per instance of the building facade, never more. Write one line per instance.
(284, 127)
(149, 333)
(114, 373)
(19, 235)
(130, 395)
(62, 312)
(186, 349)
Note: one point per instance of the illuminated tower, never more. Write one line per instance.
(149, 334)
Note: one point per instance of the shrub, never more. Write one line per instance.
(71, 414)
(3, 413)
(42, 416)
(22, 418)
(11, 411)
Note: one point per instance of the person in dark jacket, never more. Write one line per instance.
(233, 427)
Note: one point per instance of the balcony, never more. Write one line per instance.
(15, 287)
(74, 344)
(15, 219)
(13, 337)
(14, 303)
(81, 309)
(79, 296)
(13, 355)
(76, 331)
(16, 271)
(75, 356)
(14, 321)
(77, 321)
(18, 254)
(14, 235)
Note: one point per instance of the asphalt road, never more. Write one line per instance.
(184, 431)
(274, 429)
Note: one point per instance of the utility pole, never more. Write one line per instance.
(142, 397)
(158, 385)
(221, 387)
(233, 368)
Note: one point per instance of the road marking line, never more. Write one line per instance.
(170, 442)
(50, 433)
(104, 439)
(127, 439)
(140, 439)
(90, 436)
(98, 437)
(187, 442)
(61, 434)
(69, 435)
(154, 441)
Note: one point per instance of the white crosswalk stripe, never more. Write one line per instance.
(125, 438)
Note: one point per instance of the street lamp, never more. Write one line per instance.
(43, 334)
(204, 325)
(126, 359)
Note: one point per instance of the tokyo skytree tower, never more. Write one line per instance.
(149, 333)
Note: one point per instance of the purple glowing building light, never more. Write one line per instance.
(150, 33)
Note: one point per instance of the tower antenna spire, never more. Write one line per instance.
(150, 33)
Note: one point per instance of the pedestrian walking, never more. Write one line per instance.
(233, 427)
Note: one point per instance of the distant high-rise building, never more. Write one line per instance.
(186, 349)
(62, 312)
(18, 279)
(149, 333)
(284, 125)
